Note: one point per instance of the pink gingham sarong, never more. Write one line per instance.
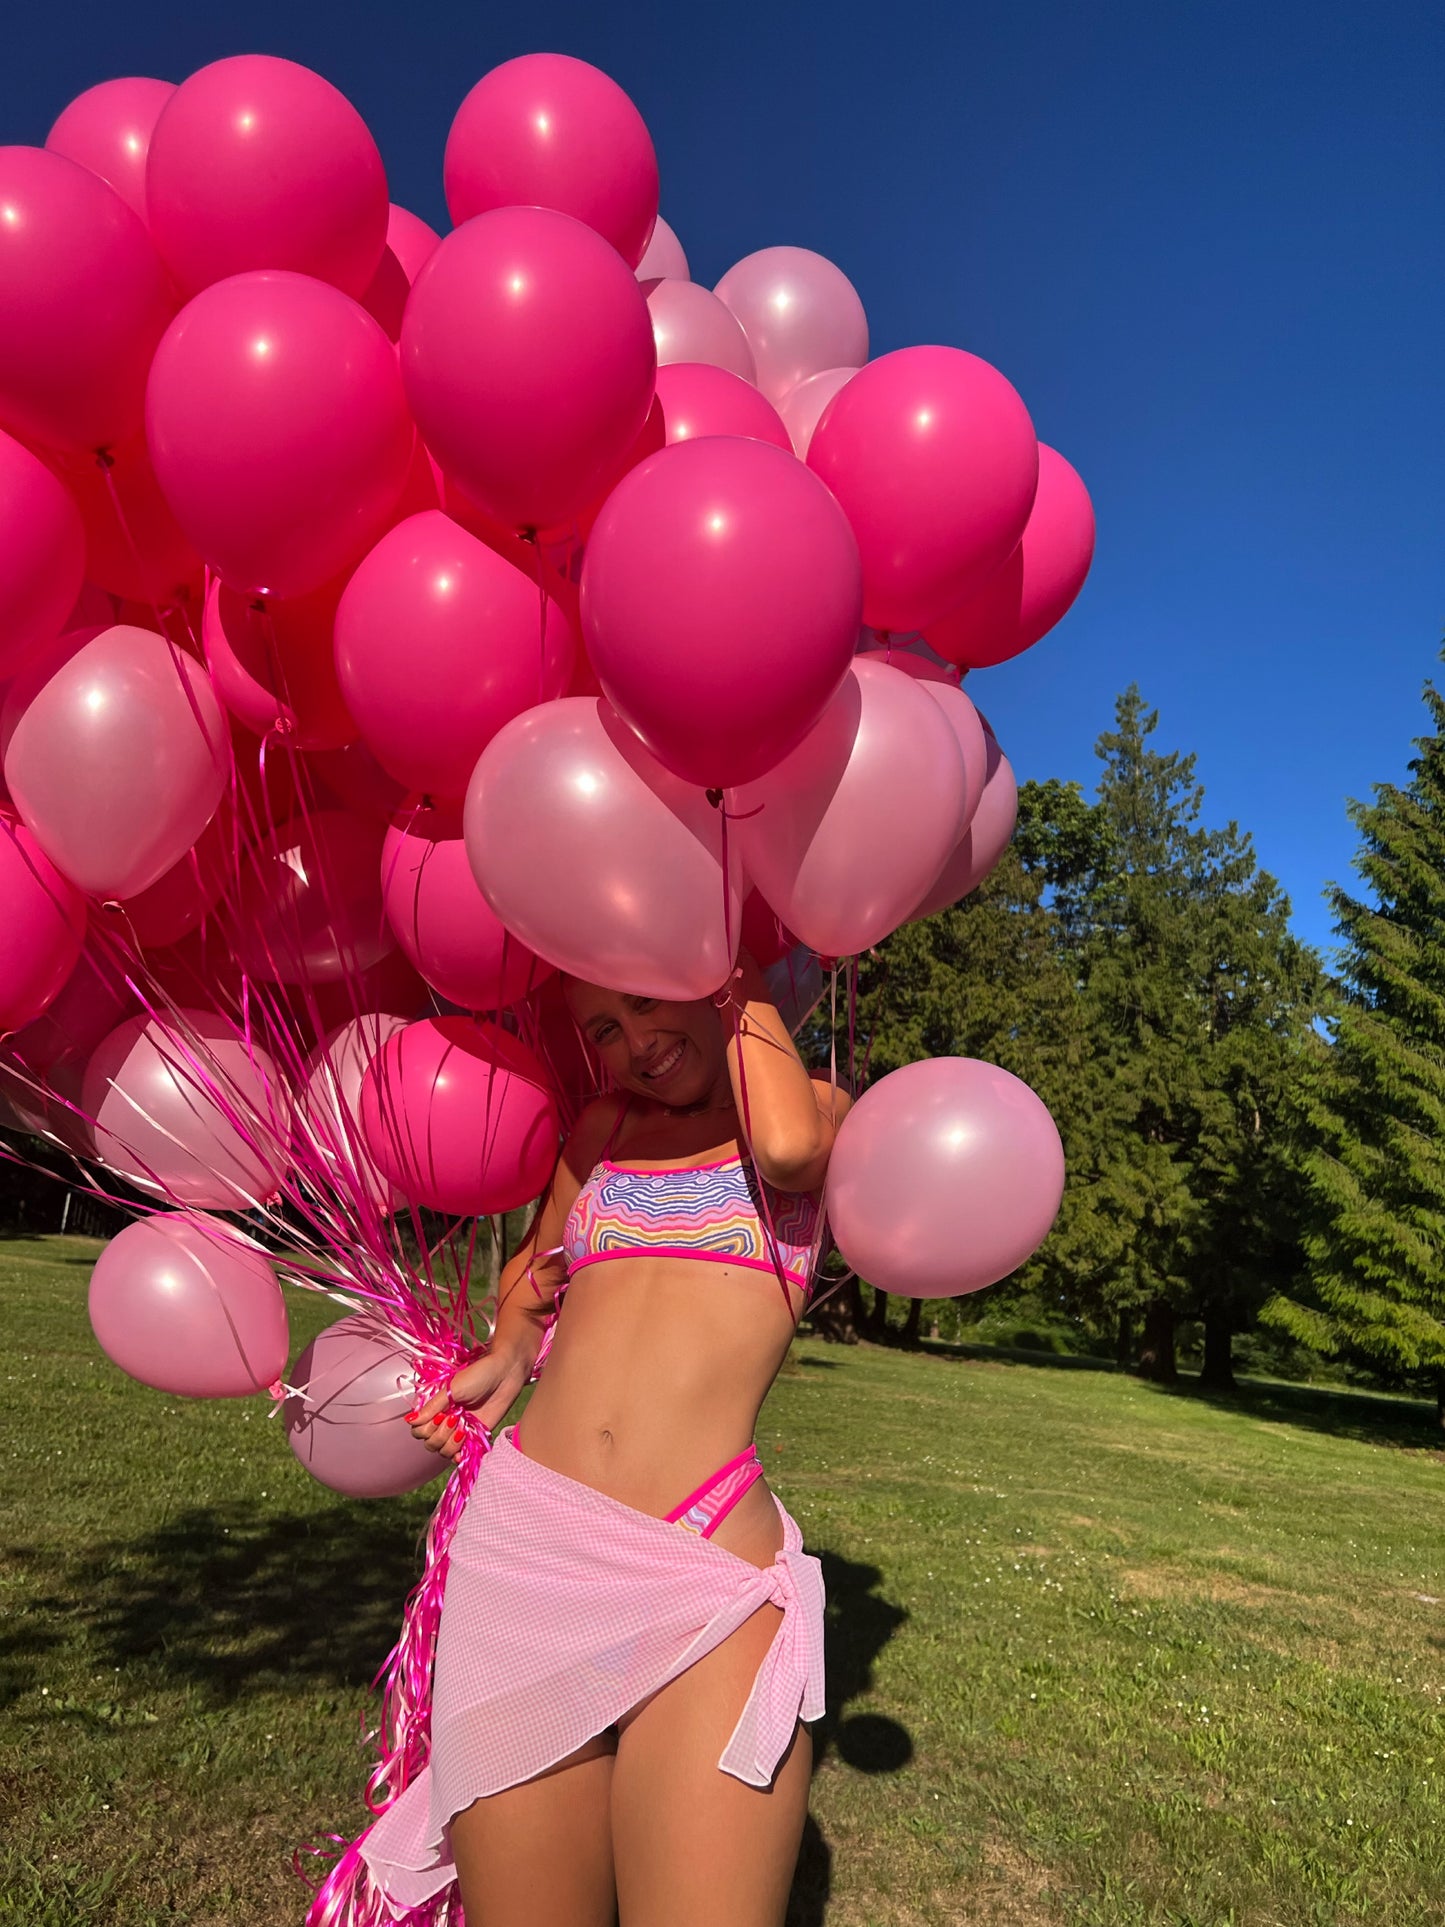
(565, 1608)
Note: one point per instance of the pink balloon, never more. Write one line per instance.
(117, 756)
(664, 258)
(85, 303)
(354, 777)
(799, 313)
(327, 1121)
(185, 895)
(42, 557)
(933, 456)
(439, 642)
(598, 858)
(311, 907)
(391, 986)
(1037, 586)
(689, 324)
(190, 1305)
(546, 130)
(273, 666)
(529, 363)
(410, 243)
(354, 1387)
(983, 843)
(766, 938)
(699, 400)
(946, 1176)
(802, 408)
(133, 545)
(189, 1111)
(411, 239)
(963, 718)
(108, 129)
(848, 831)
(92, 1001)
(720, 605)
(42, 926)
(441, 919)
(278, 429)
(256, 162)
(459, 1115)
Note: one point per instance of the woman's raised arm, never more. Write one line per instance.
(790, 1118)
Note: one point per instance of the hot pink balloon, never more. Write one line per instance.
(42, 926)
(933, 456)
(190, 1305)
(256, 162)
(133, 545)
(85, 303)
(1038, 584)
(689, 324)
(800, 315)
(92, 1001)
(186, 894)
(409, 244)
(766, 938)
(439, 642)
(459, 1115)
(354, 1387)
(273, 664)
(354, 777)
(848, 831)
(802, 408)
(720, 605)
(529, 362)
(42, 556)
(189, 1111)
(441, 919)
(698, 399)
(278, 429)
(963, 718)
(546, 130)
(311, 907)
(598, 858)
(117, 756)
(979, 850)
(946, 1176)
(108, 129)
(327, 1120)
(664, 258)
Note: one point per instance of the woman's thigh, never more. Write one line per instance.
(541, 1852)
(691, 1843)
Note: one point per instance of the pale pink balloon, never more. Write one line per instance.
(42, 926)
(327, 1120)
(689, 324)
(946, 1176)
(848, 831)
(353, 1387)
(108, 129)
(441, 919)
(720, 601)
(963, 718)
(598, 858)
(546, 130)
(409, 244)
(184, 897)
(439, 642)
(460, 1115)
(278, 429)
(1038, 584)
(117, 756)
(189, 1111)
(981, 846)
(311, 908)
(698, 399)
(134, 547)
(529, 362)
(273, 664)
(933, 457)
(256, 162)
(86, 301)
(190, 1305)
(664, 258)
(802, 408)
(42, 556)
(800, 315)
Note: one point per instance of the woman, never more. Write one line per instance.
(632, 1635)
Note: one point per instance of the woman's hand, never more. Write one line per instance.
(484, 1389)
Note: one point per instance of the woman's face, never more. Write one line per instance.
(672, 1053)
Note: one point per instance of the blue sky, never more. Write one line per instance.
(1204, 241)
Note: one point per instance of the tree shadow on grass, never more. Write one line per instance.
(1371, 1418)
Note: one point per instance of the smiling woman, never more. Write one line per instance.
(631, 1643)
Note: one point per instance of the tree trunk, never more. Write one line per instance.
(878, 1317)
(1156, 1354)
(1440, 1398)
(912, 1323)
(1124, 1341)
(1217, 1372)
(840, 1318)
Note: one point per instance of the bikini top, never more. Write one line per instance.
(712, 1212)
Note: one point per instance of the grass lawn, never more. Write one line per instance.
(1099, 1654)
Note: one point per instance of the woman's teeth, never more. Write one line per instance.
(666, 1063)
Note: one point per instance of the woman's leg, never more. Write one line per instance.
(541, 1853)
(690, 1842)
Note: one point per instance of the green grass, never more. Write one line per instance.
(1099, 1654)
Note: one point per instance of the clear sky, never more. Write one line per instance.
(1204, 241)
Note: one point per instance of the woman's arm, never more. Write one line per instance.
(790, 1119)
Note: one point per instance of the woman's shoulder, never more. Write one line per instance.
(590, 1135)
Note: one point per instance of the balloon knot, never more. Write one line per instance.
(715, 797)
(104, 459)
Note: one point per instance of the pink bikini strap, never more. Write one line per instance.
(715, 1479)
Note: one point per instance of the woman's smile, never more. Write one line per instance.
(665, 1065)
